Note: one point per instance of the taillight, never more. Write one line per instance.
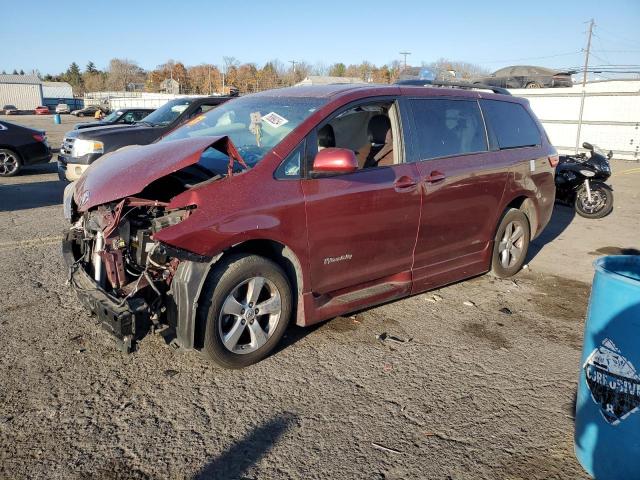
(554, 160)
(39, 138)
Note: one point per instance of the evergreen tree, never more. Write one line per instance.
(15, 72)
(91, 67)
(21, 72)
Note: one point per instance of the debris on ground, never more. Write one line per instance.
(469, 303)
(505, 310)
(437, 297)
(170, 373)
(384, 449)
(384, 336)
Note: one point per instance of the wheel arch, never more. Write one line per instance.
(527, 205)
(13, 149)
(189, 281)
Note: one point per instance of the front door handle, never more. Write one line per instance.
(405, 184)
(435, 176)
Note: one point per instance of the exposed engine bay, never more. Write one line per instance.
(114, 245)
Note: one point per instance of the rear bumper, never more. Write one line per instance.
(127, 320)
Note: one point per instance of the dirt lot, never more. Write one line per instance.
(460, 392)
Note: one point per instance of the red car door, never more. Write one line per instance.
(462, 185)
(362, 226)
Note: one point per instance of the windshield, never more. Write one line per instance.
(113, 116)
(168, 112)
(255, 125)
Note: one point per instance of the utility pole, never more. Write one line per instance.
(584, 82)
(586, 56)
(293, 66)
(405, 58)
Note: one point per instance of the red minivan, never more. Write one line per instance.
(305, 203)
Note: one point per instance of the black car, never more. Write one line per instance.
(524, 76)
(20, 146)
(121, 116)
(89, 111)
(80, 148)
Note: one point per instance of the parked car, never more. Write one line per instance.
(522, 76)
(42, 110)
(80, 148)
(302, 204)
(62, 108)
(88, 111)
(121, 116)
(10, 110)
(20, 146)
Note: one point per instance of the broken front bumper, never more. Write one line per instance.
(128, 320)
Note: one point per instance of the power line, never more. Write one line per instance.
(533, 58)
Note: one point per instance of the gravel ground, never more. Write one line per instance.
(455, 391)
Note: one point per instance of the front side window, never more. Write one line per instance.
(448, 127)
(255, 124)
(511, 124)
(368, 130)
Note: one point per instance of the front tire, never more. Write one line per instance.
(601, 203)
(510, 244)
(247, 309)
(533, 85)
(10, 163)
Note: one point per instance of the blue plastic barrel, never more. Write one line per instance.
(56, 119)
(607, 435)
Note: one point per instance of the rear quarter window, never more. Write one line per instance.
(510, 124)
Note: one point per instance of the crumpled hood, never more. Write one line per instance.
(128, 171)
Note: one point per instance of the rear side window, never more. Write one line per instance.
(448, 127)
(510, 124)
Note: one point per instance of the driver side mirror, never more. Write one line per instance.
(334, 161)
(587, 145)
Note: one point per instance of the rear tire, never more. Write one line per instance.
(245, 310)
(510, 244)
(10, 163)
(533, 85)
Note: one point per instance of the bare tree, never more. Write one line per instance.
(122, 72)
(446, 69)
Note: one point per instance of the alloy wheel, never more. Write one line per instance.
(249, 315)
(8, 163)
(598, 201)
(511, 245)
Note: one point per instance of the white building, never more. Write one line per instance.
(23, 91)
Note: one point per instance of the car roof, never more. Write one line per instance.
(335, 91)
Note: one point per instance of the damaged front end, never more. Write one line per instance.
(120, 271)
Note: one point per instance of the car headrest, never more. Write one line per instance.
(379, 125)
(326, 137)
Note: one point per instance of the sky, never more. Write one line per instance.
(48, 35)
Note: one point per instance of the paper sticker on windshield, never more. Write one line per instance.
(274, 119)
(198, 119)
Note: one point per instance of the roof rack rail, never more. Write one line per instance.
(470, 86)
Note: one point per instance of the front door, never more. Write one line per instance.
(362, 226)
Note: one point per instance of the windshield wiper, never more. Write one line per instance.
(143, 122)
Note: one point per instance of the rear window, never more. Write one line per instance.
(510, 124)
(448, 127)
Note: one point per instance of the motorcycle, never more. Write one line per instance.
(580, 181)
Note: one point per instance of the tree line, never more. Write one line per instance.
(123, 74)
